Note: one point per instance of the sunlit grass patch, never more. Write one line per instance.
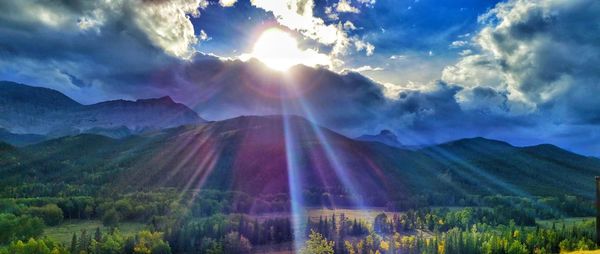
(584, 252)
(64, 232)
(567, 222)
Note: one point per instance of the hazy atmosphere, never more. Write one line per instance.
(525, 72)
(299, 126)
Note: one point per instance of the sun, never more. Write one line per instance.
(279, 50)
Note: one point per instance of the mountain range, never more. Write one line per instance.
(46, 112)
(254, 155)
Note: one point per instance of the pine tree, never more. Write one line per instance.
(320, 224)
(241, 226)
(256, 235)
(325, 230)
(74, 244)
(98, 235)
(83, 241)
(308, 227)
(333, 225)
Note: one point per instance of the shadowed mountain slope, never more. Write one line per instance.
(248, 154)
(41, 111)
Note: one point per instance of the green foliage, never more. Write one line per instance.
(147, 242)
(19, 227)
(50, 213)
(317, 244)
(144, 242)
(236, 243)
(110, 218)
(89, 165)
(33, 246)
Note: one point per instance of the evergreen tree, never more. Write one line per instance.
(73, 248)
(98, 235)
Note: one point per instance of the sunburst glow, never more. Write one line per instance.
(279, 50)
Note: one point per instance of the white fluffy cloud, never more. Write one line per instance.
(458, 44)
(367, 47)
(367, 68)
(544, 54)
(165, 23)
(345, 6)
(227, 3)
(298, 15)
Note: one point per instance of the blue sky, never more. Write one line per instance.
(397, 29)
(431, 71)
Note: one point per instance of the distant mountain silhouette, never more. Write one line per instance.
(41, 111)
(384, 137)
(20, 139)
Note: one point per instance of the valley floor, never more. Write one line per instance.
(63, 233)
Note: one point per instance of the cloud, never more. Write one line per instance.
(344, 6)
(458, 44)
(298, 15)
(368, 3)
(544, 54)
(466, 52)
(222, 88)
(166, 23)
(349, 26)
(111, 45)
(227, 3)
(347, 102)
(530, 73)
(397, 57)
(279, 50)
(541, 59)
(203, 36)
(367, 68)
(367, 47)
(331, 13)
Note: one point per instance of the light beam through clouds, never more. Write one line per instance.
(294, 182)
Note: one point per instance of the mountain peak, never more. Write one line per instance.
(166, 100)
(386, 132)
(476, 141)
(385, 136)
(42, 111)
(16, 94)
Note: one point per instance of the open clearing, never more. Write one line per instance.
(64, 232)
(368, 214)
(568, 222)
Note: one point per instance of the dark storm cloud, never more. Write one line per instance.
(220, 89)
(112, 46)
(438, 115)
(347, 102)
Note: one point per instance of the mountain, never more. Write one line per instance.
(20, 139)
(253, 155)
(497, 166)
(41, 111)
(385, 137)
